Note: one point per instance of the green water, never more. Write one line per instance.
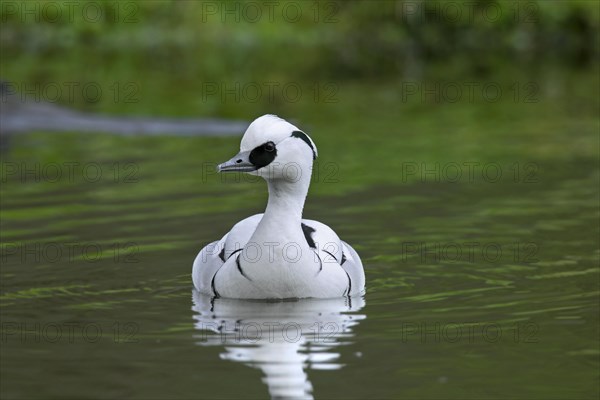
(478, 286)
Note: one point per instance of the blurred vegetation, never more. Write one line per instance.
(172, 47)
(352, 60)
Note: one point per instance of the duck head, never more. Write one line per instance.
(274, 149)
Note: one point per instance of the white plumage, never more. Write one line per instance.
(278, 255)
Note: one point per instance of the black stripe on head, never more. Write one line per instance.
(302, 135)
(263, 155)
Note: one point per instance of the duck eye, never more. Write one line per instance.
(269, 146)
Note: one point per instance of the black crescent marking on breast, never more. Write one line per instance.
(308, 231)
(212, 284)
(349, 283)
(239, 267)
(222, 254)
(302, 135)
(320, 264)
(336, 260)
(235, 251)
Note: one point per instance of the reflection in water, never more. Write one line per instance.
(280, 338)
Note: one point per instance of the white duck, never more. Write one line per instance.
(278, 255)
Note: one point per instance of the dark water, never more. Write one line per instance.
(478, 286)
(474, 291)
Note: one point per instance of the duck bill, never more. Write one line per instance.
(239, 163)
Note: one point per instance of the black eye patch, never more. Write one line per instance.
(302, 135)
(263, 155)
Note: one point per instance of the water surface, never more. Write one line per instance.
(477, 287)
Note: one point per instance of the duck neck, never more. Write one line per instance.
(286, 201)
(283, 216)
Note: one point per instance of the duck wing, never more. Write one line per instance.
(212, 257)
(332, 250)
